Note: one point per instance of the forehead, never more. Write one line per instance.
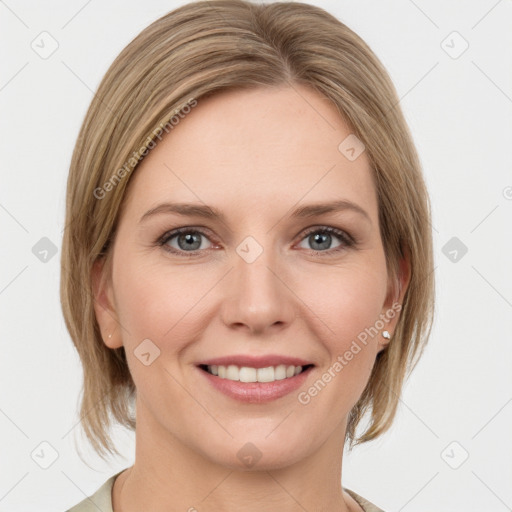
(257, 148)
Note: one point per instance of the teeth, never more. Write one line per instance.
(265, 374)
(232, 372)
(248, 374)
(280, 372)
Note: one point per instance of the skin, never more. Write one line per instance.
(255, 155)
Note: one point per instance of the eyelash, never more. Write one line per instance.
(346, 239)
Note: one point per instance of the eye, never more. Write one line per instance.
(320, 239)
(189, 241)
(183, 240)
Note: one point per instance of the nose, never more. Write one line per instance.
(257, 298)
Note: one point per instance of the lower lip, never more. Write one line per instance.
(257, 392)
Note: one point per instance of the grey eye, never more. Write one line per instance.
(186, 241)
(320, 240)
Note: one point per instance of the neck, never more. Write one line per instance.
(168, 475)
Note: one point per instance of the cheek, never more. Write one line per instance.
(348, 300)
(162, 305)
(156, 301)
(168, 301)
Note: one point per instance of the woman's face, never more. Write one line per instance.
(260, 286)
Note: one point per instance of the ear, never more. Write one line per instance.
(397, 288)
(104, 305)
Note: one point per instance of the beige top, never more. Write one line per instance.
(101, 500)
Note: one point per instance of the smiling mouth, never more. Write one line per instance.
(250, 374)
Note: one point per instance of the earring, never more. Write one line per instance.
(110, 336)
(385, 334)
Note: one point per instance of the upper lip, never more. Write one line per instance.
(255, 361)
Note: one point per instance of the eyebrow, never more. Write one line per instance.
(210, 212)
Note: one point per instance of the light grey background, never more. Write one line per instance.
(459, 108)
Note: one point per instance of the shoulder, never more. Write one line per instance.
(100, 500)
(365, 504)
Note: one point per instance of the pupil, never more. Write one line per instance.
(318, 237)
(190, 239)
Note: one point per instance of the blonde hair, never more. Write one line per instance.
(195, 51)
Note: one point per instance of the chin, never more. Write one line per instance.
(261, 450)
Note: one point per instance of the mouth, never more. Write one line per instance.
(255, 380)
(251, 374)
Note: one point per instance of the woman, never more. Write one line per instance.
(247, 259)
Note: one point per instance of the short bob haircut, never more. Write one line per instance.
(193, 52)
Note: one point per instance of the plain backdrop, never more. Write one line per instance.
(450, 448)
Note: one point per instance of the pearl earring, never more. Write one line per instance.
(385, 334)
(110, 335)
